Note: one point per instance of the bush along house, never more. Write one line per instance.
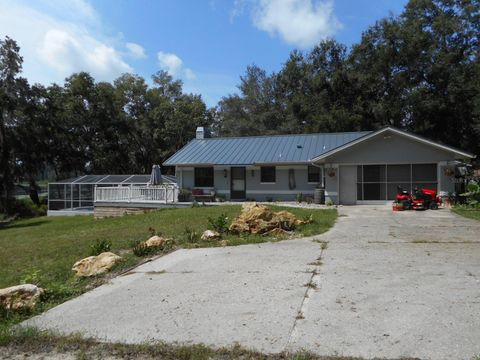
(351, 167)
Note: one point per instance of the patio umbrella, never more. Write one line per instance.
(156, 176)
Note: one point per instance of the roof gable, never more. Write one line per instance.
(398, 132)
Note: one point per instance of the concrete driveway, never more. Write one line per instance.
(390, 284)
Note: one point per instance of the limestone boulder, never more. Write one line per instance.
(210, 235)
(95, 265)
(20, 297)
(259, 219)
(156, 241)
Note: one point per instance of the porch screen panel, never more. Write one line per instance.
(424, 176)
(374, 178)
(359, 182)
(398, 176)
(381, 182)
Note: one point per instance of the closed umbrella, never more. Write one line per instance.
(156, 176)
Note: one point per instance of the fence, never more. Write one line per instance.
(166, 193)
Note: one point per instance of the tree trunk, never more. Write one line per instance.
(5, 166)
(34, 191)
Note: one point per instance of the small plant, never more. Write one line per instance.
(311, 285)
(152, 231)
(100, 246)
(308, 219)
(195, 204)
(299, 197)
(140, 248)
(220, 198)
(190, 235)
(33, 277)
(329, 202)
(184, 195)
(219, 224)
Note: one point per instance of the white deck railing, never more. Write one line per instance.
(166, 193)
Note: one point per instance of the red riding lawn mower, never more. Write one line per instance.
(420, 199)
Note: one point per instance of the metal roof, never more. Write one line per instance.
(276, 149)
(114, 179)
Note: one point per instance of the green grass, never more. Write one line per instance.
(27, 341)
(468, 213)
(42, 250)
(50, 245)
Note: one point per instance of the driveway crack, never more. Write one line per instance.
(311, 286)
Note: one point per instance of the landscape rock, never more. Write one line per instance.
(20, 296)
(210, 235)
(259, 219)
(95, 265)
(155, 241)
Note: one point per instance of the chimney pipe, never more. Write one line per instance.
(202, 133)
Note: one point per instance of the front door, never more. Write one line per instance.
(237, 183)
(348, 185)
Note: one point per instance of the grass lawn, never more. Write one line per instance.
(468, 213)
(42, 250)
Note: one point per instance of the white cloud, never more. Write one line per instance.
(58, 38)
(135, 50)
(172, 64)
(169, 62)
(301, 23)
(67, 53)
(189, 74)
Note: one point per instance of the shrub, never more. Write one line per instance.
(184, 195)
(25, 208)
(100, 246)
(329, 202)
(473, 194)
(190, 235)
(219, 224)
(60, 292)
(140, 248)
(299, 197)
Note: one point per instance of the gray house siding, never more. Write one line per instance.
(447, 181)
(331, 186)
(255, 189)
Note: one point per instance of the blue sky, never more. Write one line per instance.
(207, 44)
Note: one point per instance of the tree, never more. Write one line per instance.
(10, 67)
(418, 71)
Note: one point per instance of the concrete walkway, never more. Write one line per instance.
(390, 285)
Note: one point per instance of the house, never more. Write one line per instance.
(353, 167)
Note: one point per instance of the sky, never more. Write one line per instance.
(205, 43)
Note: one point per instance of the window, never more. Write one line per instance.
(313, 174)
(267, 174)
(204, 177)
